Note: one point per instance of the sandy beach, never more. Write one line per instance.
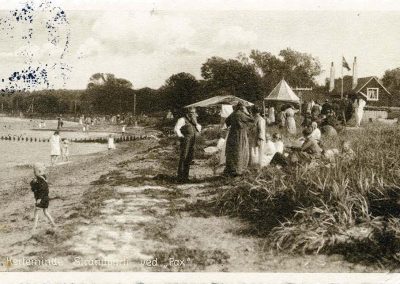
(122, 211)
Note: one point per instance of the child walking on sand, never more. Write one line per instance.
(40, 189)
(65, 149)
(111, 144)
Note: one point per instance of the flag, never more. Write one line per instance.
(345, 64)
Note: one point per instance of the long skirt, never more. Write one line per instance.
(237, 152)
(256, 155)
(359, 116)
(291, 125)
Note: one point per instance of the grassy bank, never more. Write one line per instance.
(348, 208)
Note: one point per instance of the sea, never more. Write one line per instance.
(23, 154)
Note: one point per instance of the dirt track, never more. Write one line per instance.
(124, 209)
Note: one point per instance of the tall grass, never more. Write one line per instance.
(328, 208)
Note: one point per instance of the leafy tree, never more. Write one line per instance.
(180, 89)
(391, 80)
(233, 76)
(298, 69)
(108, 93)
(149, 100)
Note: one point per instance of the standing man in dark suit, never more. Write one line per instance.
(187, 129)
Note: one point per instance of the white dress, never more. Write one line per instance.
(360, 111)
(269, 152)
(111, 144)
(55, 145)
(65, 148)
(316, 134)
(271, 115)
(279, 146)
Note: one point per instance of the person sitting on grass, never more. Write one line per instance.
(330, 155)
(347, 153)
(40, 189)
(269, 151)
(310, 149)
(316, 133)
(277, 139)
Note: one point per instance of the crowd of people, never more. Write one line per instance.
(248, 143)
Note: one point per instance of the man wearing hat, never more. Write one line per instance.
(187, 129)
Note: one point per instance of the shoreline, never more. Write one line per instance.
(70, 185)
(126, 205)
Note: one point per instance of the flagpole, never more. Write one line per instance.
(341, 94)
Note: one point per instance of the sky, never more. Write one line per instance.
(148, 41)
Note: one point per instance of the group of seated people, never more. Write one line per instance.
(308, 149)
(313, 150)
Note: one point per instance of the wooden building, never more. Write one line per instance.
(369, 88)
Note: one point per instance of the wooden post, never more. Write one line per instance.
(134, 108)
(341, 94)
(264, 107)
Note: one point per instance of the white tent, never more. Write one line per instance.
(283, 92)
(220, 100)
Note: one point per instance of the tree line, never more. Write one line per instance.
(250, 77)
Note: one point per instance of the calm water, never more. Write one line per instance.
(25, 153)
(13, 153)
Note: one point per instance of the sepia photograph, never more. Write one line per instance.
(210, 136)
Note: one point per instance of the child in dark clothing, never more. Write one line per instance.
(40, 190)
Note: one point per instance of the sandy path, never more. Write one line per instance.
(68, 183)
(125, 210)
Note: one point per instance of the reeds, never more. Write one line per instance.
(322, 208)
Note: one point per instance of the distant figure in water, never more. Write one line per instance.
(65, 149)
(40, 189)
(59, 123)
(111, 144)
(55, 147)
(123, 129)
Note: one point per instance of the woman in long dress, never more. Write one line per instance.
(271, 115)
(110, 142)
(55, 147)
(360, 111)
(282, 118)
(290, 122)
(237, 145)
(355, 112)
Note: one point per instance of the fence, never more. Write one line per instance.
(77, 140)
(375, 114)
